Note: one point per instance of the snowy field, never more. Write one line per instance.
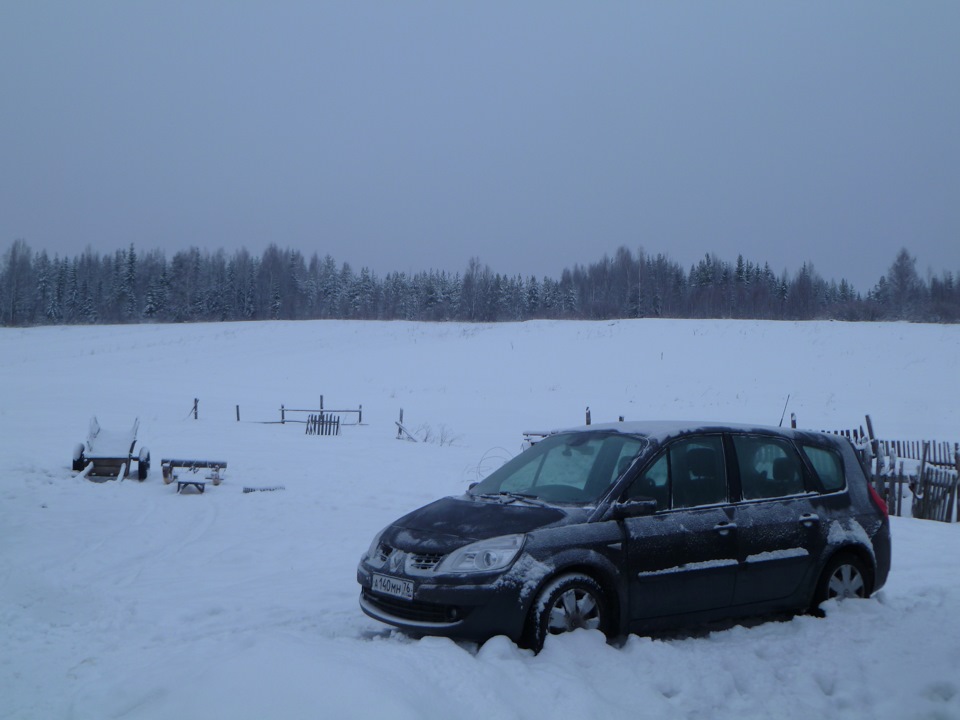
(126, 600)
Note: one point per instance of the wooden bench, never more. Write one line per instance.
(216, 467)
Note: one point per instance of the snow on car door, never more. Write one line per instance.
(684, 558)
(777, 524)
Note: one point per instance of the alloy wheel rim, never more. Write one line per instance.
(574, 609)
(846, 582)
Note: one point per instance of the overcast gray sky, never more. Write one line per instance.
(533, 135)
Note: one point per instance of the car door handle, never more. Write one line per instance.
(724, 528)
(809, 519)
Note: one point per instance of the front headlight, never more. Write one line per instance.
(372, 550)
(483, 556)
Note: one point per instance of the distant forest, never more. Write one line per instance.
(196, 286)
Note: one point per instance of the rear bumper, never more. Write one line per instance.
(882, 550)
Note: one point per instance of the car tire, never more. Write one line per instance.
(79, 461)
(567, 603)
(845, 576)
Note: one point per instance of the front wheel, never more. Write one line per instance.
(844, 577)
(567, 603)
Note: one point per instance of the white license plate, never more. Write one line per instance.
(393, 586)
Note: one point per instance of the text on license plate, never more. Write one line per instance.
(393, 586)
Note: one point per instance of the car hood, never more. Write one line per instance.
(450, 523)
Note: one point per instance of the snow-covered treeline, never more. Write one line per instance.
(195, 285)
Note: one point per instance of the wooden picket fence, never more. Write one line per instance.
(925, 471)
(323, 424)
(933, 484)
(935, 495)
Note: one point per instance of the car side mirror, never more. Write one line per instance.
(472, 485)
(640, 507)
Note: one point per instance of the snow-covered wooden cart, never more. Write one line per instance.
(110, 454)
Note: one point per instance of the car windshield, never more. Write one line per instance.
(566, 468)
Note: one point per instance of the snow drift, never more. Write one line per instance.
(126, 600)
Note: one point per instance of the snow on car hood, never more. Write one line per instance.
(449, 523)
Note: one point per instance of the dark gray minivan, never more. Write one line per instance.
(633, 527)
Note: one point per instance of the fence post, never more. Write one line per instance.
(956, 462)
(891, 498)
(588, 415)
(359, 416)
(900, 481)
(923, 484)
(195, 401)
(283, 415)
(951, 497)
(238, 413)
(874, 443)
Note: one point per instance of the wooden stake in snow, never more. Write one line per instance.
(402, 430)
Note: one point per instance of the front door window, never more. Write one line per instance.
(697, 472)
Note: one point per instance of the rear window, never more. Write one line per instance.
(828, 467)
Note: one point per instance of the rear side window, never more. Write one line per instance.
(769, 467)
(828, 467)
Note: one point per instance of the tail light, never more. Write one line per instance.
(877, 500)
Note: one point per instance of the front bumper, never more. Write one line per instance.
(473, 609)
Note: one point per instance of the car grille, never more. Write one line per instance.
(422, 562)
(414, 610)
(425, 561)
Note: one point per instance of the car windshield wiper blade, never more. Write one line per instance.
(506, 495)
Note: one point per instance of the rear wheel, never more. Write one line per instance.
(569, 602)
(143, 464)
(845, 576)
(79, 461)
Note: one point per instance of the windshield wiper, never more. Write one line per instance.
(507, 496)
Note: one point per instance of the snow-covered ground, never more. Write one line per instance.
(126, 600)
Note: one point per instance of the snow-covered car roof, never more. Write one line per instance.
(664, 429)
